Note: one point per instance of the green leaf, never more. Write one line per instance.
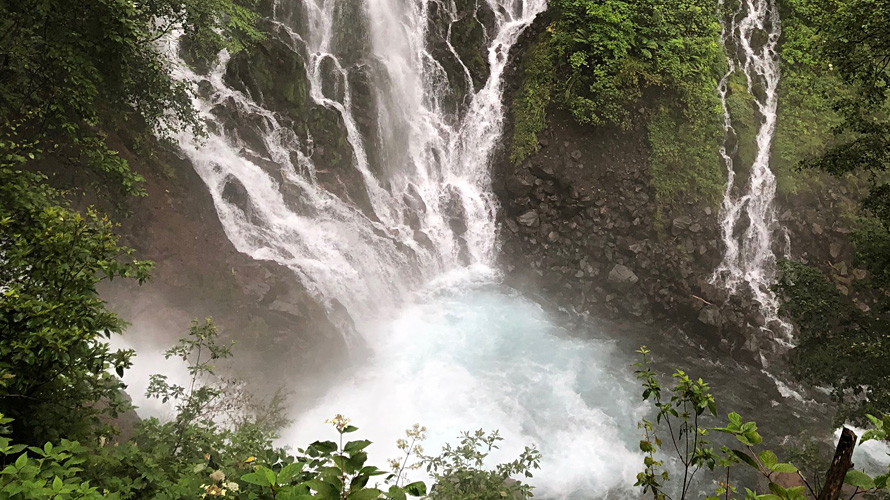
(356, 461)
(735, 419)
(349, 428)
(768, 496)
(859, 479)
(416, 489)
(784, 468)
(396, 493)
(290, 471)
(57, 484)
(364, 494)
(21, 461)
(324, 447)
(354, 446)
(744, 457)
(270, 475)
(768, 458)
(324, 490)
(257, 479)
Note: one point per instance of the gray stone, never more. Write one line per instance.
(622, 277)
(518, 186)
(834, 249)
(710, 315)
(681, 224)
(529, 219)
(553, 236)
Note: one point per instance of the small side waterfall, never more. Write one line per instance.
(750, 37)
(417, 200)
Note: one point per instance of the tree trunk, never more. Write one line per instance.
(840, 464)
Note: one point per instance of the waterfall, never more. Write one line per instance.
(419, 144)
(750, 37)
(402, 234)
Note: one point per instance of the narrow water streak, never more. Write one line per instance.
(751, 37)
(469, 353)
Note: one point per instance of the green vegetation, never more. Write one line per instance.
(840, 345)
(53, 358)
(599, 59)
(682, 413)
(69, 72)
(532, 98)
(604, 61)
(843, 335)
(614, 51)
(685, 159)
(219, 443)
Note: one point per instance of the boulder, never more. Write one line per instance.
(529, 219)
(517, 186)
(710, 315)
(681, 223)
(622, 277)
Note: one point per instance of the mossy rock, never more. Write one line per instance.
(273, 75)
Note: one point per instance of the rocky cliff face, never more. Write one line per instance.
(198, 273)
(581, 223)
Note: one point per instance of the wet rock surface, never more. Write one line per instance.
(580, 224)
(198, 273)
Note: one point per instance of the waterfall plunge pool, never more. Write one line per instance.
(468, 353)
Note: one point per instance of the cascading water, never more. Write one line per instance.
(750, 37)
(407, 252)
(429, 204)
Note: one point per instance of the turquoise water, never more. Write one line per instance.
(469, 353)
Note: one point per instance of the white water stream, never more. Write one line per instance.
(748, 223)
(449, 347)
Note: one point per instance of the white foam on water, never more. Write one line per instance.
(468, 353)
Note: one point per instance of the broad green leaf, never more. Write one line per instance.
(768, 458)
(324, 447)
(768, 496)
(254, 478)
(416, 489)
(289, 471)
(354, 446)
(364, 494)
(778, 490)
(270, 475)
(323, 489)
(859, 479)
(735, 419)
(784, 468)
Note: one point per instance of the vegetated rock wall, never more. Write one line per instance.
(581, 224)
